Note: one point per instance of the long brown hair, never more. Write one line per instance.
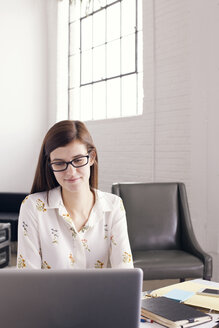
(59, 135)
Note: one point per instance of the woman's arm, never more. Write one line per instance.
(120, 251)
(28, 255)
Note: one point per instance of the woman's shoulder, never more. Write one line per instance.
(107, 196)
(42, 199)
(36, 195)
(35, 198)
(107, 202)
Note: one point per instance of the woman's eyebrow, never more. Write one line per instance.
(57, 159)
(79, 155)
(74, 157)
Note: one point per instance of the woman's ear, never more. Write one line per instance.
(92, 157)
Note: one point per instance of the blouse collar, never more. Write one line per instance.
(101, 206)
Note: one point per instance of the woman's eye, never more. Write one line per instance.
(59, 163)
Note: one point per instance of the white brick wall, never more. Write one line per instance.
(120, 140)
(204, 27)
(176, 137)
(160, 139)
(172, 135)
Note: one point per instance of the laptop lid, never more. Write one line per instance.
(109, 298)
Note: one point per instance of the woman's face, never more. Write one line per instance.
(72, 179)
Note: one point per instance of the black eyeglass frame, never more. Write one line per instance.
(70, 162)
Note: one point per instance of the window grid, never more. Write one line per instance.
(80, 89)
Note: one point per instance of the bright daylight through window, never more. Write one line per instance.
(105, 59)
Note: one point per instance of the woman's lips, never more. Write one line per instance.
(72, 180)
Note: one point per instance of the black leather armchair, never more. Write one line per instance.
(160, 231)
(10, 203)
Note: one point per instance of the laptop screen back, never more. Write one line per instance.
(93, 298)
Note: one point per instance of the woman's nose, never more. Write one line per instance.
(71, 169)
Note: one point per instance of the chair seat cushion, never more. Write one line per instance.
(168, 264)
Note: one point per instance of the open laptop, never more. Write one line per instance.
(92, 298)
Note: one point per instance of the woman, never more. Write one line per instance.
(66, 222)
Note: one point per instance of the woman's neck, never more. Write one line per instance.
(78, 205)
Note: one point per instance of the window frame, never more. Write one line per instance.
(136, 72)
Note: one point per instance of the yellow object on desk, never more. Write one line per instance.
(206, 302)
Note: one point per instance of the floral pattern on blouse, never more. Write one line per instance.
(99, 265)
(25, 199)
(84, 228)
(73, 232)
(40, 205)
(127, 258)
(45, 265)
(55, 236)
(45, 222)
(67, 218)
(106, 231)
(84, 243)
(25, 226)
(21, 262)
(122, 205)
(71, 258)
(113, 240)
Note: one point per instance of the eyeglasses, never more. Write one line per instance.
(62, 166)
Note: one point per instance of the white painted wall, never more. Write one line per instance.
(176, 137)
(23, 90)
(204, 27)
(120, 140)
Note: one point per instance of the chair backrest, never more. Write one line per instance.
(152, 214)
(11, 201)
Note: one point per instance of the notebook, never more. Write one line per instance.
(171, 313)
(71, 298)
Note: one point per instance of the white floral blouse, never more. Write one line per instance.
(47, 237)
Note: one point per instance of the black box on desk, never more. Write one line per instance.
(5, 241)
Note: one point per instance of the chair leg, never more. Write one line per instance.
(207, 278)
(182, 279)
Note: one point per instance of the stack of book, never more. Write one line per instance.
(5, 239)
(171, 313)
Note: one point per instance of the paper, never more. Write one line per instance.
(179, 294)
(207, 302)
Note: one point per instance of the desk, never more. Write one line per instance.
(156, 325)
(205, 325)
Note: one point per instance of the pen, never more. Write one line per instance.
(144, 319)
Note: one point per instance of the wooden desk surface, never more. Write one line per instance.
(205, 325)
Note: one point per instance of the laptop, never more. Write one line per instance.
(91, 298)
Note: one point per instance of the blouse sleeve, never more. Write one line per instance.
(28, 255)
(120, 251)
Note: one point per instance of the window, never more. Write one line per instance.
(105, 59)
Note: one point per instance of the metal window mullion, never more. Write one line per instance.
(69, 40)
(136, 36)
(120, 59)
(136, 52)
(92, 55)
(80, 54)
(106, 59)
(106, 98)
(80, 63)
(102, 8)
(109, 78)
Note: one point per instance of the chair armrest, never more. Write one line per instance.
(189, 241)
